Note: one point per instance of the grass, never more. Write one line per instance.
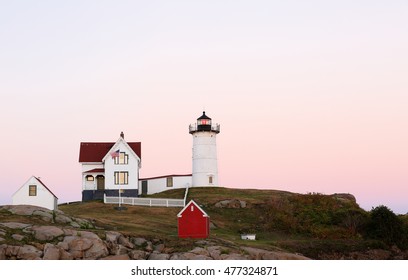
(293, 222)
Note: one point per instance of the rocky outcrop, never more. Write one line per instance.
(61, 240)
(231, 203)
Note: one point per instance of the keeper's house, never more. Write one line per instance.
(108, 167)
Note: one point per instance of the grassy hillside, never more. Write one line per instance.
(312, 224)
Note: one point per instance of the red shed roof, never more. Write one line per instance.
(96, 151)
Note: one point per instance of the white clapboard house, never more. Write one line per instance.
(35, 192)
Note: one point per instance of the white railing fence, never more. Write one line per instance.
(143, 201)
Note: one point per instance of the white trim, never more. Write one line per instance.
(186, 207)
(115, 146)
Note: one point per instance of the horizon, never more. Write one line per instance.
(310, 97)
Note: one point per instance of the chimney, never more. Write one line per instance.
(122, 135)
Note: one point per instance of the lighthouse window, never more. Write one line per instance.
(204, 122)
(210, 180)
(169, 181)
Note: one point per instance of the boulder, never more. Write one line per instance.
(15, 225)
(62, 219)
(17, 237)
(260, 254)
(137, 255)
(47, 233)
(138, 241)
(231, 203)
(112, 236)
(51, 252)
(200, 251)
(97, 251)
(125, 242)
(28, 252)
(45, 215)
(2, 239)
(159, 248)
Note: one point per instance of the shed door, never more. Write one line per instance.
(144, 187)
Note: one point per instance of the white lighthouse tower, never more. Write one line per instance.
(205, 170)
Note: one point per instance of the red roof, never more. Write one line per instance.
(96, 170)
(96, 151)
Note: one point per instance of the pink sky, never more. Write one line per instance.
(310, 97)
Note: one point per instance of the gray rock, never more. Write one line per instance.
(28, 252)
(159, 248)
(75, 225)
(51, 252)
(2, 239)
(192, 256)
(97, 251)
(12, 251)
(260, 254)
(125, 242)
(2, 233)
(65, 255)
(138, 241)
(70, 232)
(156, 256)
(24, 210)
(200, 251)
(149, 246)
(231, 203)
(62, 219)
(112, 236)
(47, 233)
(137, 255)
(17, 237)
(215, 252)
(15, 225)
(88, 234)
(45, 215)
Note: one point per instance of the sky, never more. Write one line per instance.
(311, 96)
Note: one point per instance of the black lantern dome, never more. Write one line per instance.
(204, 123)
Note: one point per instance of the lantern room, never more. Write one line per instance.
(204, 123)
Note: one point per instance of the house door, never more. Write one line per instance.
(100, 182)
(144, 187)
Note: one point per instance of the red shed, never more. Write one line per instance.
(193, 222)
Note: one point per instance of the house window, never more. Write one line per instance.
(123, 158)
(89, 178)
(210, 180)
(169, 181)
(32, 190)
(121, 178)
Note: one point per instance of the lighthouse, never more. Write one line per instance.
(205, 170)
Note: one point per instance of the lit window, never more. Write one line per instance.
(121, 178)
(169, 181)
(123, 158)
(32, 190)
(89, 178)
(192, 208)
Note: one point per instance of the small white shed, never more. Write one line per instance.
(34, 192)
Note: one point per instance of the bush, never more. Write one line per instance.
(386, 226)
